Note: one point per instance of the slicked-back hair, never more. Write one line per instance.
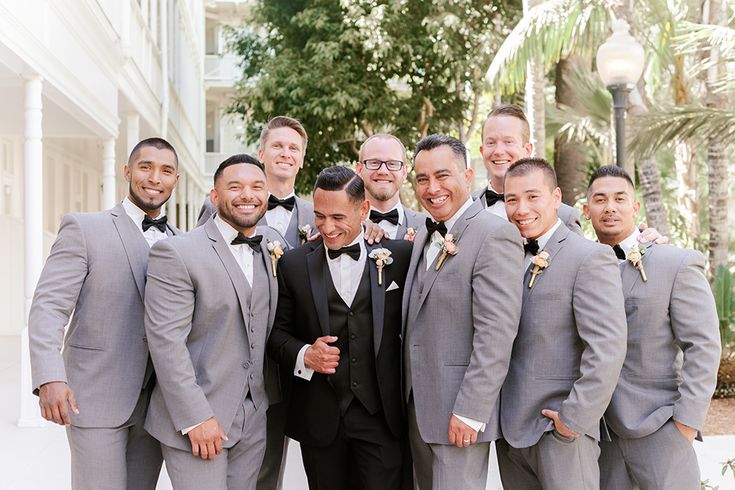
(282, 122)
(511, 110)
(382, 136)
(155, 142)
(433, 141)
(339, 178)
(610, 171)
(525, 166)
(235, 160)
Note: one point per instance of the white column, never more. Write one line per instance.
(171, 207)
(108, 173)
(33, 236)
(183, 201)
(191, 192)
(132, 133)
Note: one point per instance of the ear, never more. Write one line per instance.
(213, 197)
(127, 172)
(636, 207)
(468, 175)
(556, 194)
(358, 168)
(364, 210)
(528, 148)
(260, 154)
(586, 210)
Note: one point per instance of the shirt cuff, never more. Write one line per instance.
(475, 424)
(300, 368)
(189, 429)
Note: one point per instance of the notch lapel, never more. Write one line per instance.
(135, 245)
(419, 243)
(631, 275)
(317, 268)
(272, 282)
(377, 296)
(555, 243)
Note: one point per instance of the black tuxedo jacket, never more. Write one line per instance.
(302, 316)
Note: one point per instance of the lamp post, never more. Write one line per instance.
(620, 64)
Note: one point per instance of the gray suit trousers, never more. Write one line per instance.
(662, 460)
(130, 457)
(553, 463)
(445, 467)
(235, 468)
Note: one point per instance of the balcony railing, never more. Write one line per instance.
(221, 70)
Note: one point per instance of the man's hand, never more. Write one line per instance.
(321, 357)
(560, 426)
(688, 432)
(461, 434)
(651, 235)
(373, 232)
(206, 439)
(55, 399)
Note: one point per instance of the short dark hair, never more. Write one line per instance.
(610, 171)
(155, 142)
(234, 160)
(511, 110)
(433, 141)
(337, 178)
(525, 166)
(282, 122)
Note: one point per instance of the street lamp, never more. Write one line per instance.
(620, 64)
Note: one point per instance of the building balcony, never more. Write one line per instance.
(221, 70)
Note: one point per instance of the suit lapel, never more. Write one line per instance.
(272, 281)
(377, 296)
(418, 248)
(317, 268)
(555, 243)
(630, 275)
(135, 245)
(222, 249)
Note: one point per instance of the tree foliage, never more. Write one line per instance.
(349, 68)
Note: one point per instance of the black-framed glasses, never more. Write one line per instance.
(375, 164)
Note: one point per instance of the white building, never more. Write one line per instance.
(82, 81)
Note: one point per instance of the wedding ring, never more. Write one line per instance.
(465, 440)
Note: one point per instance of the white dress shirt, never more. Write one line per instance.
(279, 217)
(346, 274)
(434, 245)
(498, 209)
(152, 234)
(543, 240)
(628, 244)
(389, 228)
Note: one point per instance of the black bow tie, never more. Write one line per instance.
(253, 242)
(432, 226)
(274, 202)
(492, 197)
(619, 252)
(353, 251)
(391, 216)
(159, 223)
(531, 247)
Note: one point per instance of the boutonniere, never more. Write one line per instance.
(448, 248)
(540, 262)
(304, 233)
(382, 257)
(635, 257)
(275, 249)
(410, 234)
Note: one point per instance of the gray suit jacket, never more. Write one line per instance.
(568, 214)
(207, 340)
(460, 323)
(673, 344)
(412, 219)
(570, 344)
(96, 270)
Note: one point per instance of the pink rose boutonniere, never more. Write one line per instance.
(382, 257)
(304, 233)
(275, 249)
(448, 248)
(540, 262)
(410, 234)
(635, 257)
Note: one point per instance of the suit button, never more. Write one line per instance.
(145, 339)
(353, 336)
(354, 360)
(252, 346)
(354, 383)
(246, 364)
(252, 329)
(252, 376)
(352, 314)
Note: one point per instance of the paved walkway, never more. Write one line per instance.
(31, 459)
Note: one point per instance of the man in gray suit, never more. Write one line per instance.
(462, 305)
(570, 345)
(383, 167)
(210, 301)
(670, 369)
(99, 385)
(506, 137)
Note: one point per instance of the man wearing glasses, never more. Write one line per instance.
(382, 166)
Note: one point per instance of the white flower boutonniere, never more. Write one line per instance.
(540, 262)
(304, 233)
(410, 234)
(448, 248)
(275, 249)
(635, 257)
(382, 257)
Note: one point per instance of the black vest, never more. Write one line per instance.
(353, 326)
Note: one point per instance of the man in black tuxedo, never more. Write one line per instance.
(337, 326)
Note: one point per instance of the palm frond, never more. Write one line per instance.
(553, 28)
(693, 38)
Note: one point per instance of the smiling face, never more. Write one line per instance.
(241, 196)
(442, 185)
(338, 217)
(282, 153)
(612, 208)
(531, 202)
(382, 184)
(503, 143)
(152, 176)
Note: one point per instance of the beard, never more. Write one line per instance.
(223, 211)
(141, 202)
